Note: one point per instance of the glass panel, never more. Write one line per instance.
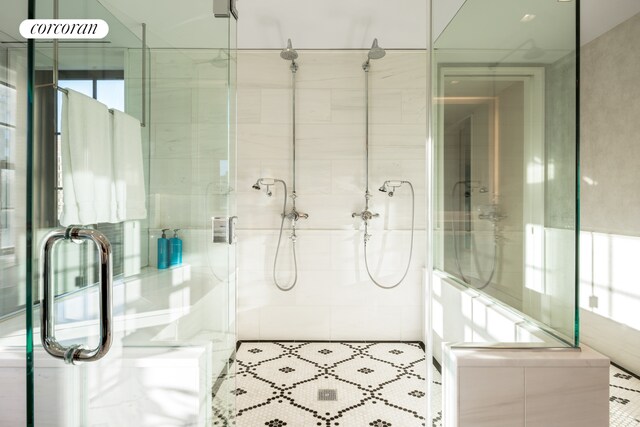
(13, 212)
(504, 125)
(173, 328)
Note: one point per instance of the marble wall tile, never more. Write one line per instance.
(330, 186)
(170, 176)
(567, 397)
(313, 106)
(503, 407)
(414, 106)
(210, 141)
(347, 106)
(262, 69)
(250, 110)
(294, 322)
(331, 69)
(348, 177)
(394, 134)
(171, 64)
(316, 179)
(275, 106)
(385, 106)
(170, 104)
(347, 322)
(210, 105)
(171, 140)
(266, 141)
(400, 70)
(338, 141)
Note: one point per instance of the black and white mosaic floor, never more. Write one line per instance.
(328, 384)
(305, 384)
(624, 399)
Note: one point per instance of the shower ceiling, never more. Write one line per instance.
(187, 24)
(332, 24)
(502, 35)
(312, 23)
(597, 16)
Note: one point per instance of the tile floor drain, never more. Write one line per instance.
(327, 394)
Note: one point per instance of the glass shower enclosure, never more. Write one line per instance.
(505, 160)
(113, 338)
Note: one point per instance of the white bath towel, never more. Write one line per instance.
(128, 168)
(88, 186)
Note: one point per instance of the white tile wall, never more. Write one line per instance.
(189, 139)
(461, 314)
(190, 180)
(609, 296)
(334, 298)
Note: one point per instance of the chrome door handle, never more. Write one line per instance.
(75, 353)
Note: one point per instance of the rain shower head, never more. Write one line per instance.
(376, 52)
(289, 53)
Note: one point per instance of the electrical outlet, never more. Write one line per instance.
(593, 301)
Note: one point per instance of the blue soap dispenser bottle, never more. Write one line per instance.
(175, 244)
(163, 250)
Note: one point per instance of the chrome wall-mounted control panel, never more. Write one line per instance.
(223, 229)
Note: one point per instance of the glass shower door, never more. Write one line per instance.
(119, 340)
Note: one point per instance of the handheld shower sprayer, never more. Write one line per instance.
(267, 182)
(492, 216)
(292, 215)
(390, 187)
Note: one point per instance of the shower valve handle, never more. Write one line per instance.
(294, 215)
(365, 215)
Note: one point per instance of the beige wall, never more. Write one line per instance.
(610, 130)
(610, 199)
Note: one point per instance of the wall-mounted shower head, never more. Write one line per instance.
(376, 52)
(256, 186)
(383, 188)
(289, 53)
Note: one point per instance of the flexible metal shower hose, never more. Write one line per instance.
(366, 261)
(457, 256)
(293, 243)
